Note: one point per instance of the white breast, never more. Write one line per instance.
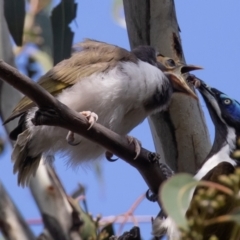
(115, 96)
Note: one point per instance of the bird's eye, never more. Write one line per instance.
(227, 101)
(171, 63)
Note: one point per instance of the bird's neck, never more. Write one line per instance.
(160, 97)
(225, 138)
(224, 144)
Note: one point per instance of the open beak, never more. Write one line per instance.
(179, 84)
(184, 68)
(189, 68)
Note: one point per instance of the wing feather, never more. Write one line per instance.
(91, 57)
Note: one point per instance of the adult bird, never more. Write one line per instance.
(225, 114)
(104, 82)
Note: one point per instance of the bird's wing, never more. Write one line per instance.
(91, 57)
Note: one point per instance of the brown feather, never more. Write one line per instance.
(92, 57)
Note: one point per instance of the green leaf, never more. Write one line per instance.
(175, 197)
(14, 11)
(62, 15)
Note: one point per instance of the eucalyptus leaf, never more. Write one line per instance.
(62, 15)
(175, 197)
(14, 11)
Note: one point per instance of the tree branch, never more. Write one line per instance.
(59, 217)
(54, 113)
(12, 224)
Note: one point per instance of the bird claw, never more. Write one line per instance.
(152, 197)
(154, 157)
(109, 156)
(194, 80)
(91, 117)
(166, 170)
(70, 139)
(137, 145)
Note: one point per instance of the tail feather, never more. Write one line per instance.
(25, 165)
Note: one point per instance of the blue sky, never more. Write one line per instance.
(210, 37)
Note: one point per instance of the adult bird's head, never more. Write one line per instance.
(225, 114)
(221, 107)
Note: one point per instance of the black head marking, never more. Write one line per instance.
(146, 54)
(160, 98)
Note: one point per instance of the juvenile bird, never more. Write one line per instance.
(104, 82)
(225, 114)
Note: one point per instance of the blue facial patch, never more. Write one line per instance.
(230, 106)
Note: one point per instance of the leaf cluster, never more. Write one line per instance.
(204, 209)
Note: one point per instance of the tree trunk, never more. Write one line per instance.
(180, 134)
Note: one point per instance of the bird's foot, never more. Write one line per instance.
(151, 196)
(154, 157)
(109, 157)
(91, 117)
(71, 139)
(137, 145)
(166, 170)
(192, 79)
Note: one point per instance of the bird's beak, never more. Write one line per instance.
(184, 68)
(179, 84)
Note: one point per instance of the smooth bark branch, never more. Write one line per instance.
(54, 113)
(180, 135)
(57, 213)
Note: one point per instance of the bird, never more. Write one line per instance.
(106, 83)
(225, 115)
